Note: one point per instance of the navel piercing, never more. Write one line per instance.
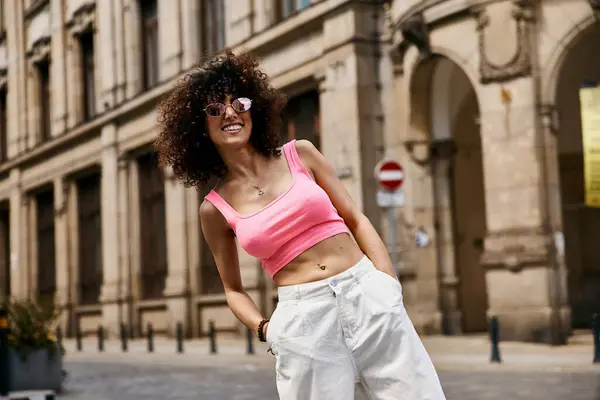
(322, 267)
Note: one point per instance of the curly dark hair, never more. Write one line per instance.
(183, 142)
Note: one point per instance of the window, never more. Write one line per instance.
(286, 8)
(44, 99)
(152, 228)
(86, 42)
(149, 41)
(90, 239)
(213, 23)
(301, 118)
(46, 262)
(3, 127)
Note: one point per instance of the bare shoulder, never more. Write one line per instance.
(211, 217)
(305, 147)
(309, 154)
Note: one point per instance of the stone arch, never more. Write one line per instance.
(444, 144)
(559, 54)
(573, 64)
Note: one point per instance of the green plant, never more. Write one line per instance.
(31, 325)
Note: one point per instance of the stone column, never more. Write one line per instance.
(73, 84)
(17, 229)
(518, 250)
(518, 245)
(134, 239)
(61, 239)
(126, 276)
(30, 250)
(352, 132)
(110, 230)
(449, 301)
(177, 288)
(170, 37)
(133, 49)
(58, 68)
(190, 33)
(105, 42)
(553, 203)
(76, 77)
(73, 254)
(17, 65)
(33, 109)
(16, 94)
(119, 56)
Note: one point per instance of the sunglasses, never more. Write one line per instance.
(239, 105)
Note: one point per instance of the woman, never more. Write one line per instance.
(340, 317)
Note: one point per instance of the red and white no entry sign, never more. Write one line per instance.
(389, 174)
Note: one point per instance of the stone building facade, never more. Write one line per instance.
(477, 99)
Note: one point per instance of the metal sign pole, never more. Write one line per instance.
(391, 217)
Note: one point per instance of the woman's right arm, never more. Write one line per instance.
(221, 241)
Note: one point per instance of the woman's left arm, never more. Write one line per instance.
(365, 234)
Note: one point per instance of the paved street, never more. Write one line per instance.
(101, 380)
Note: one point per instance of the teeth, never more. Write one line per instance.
(232, 128)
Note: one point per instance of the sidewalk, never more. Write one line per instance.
(448, 353)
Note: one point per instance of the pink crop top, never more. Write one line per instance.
(299, 218)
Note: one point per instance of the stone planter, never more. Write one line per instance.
(38, 371)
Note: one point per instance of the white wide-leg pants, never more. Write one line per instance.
(352, 328)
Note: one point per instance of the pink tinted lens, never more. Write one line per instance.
(242, 104)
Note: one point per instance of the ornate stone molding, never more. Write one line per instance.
(516, 249)
(83, 19)
(520, 64)
(40, 50)
(415, 31)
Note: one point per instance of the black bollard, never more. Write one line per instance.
(150, 334)
(179, 337)
(78, 338)
(4, 328)
(123, 337)
(596, 334)
(100, 338)
(250, 341)
(495, 338)
(212, 336)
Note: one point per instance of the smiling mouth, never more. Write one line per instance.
(233, 128)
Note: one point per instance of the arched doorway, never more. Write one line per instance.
(445, 111)
(581, 224)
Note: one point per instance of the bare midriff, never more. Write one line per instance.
(323, 260)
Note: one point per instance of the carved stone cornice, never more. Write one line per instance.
(415, 31)
(83, 19)
(520, 63)
(40, 50)
(516, 249)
